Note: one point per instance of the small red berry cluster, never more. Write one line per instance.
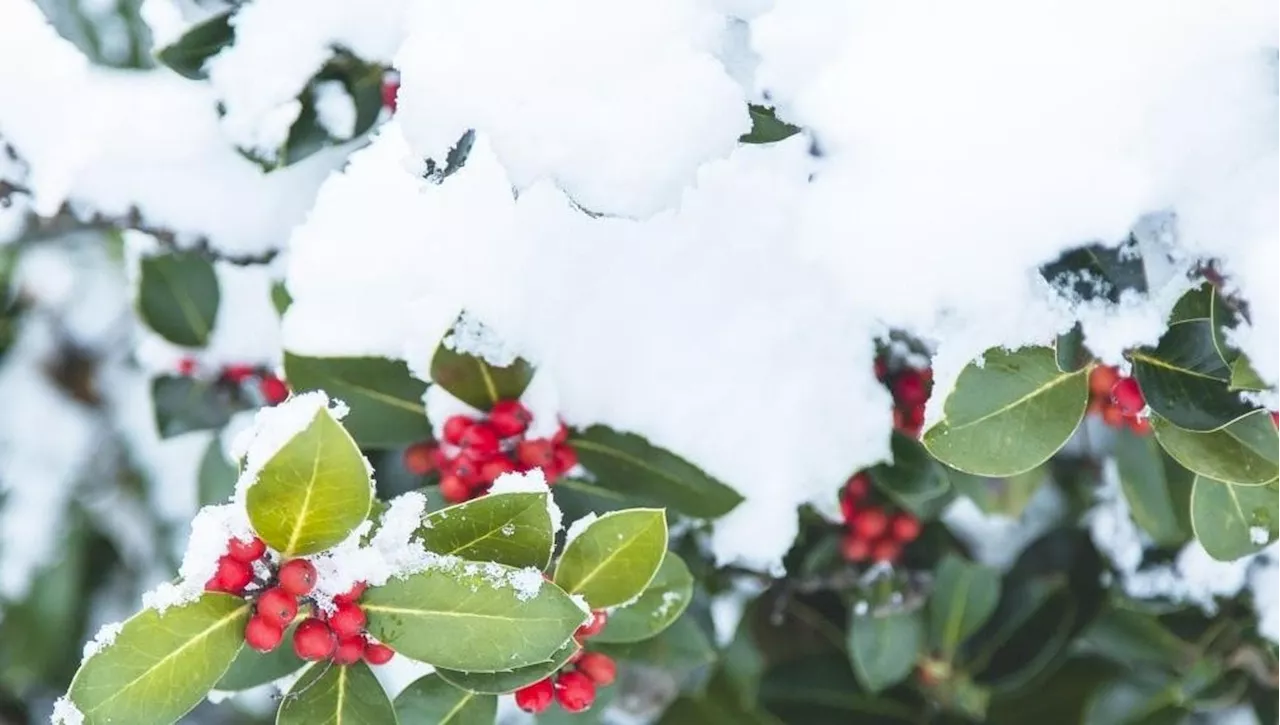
(475, 452)
(272, 389)
(871, 532)
(390, 87)
(339, 635)
(575, 686)
(1117, 399)
(910, 387)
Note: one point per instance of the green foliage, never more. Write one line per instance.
(1186, 381)
(385, 400)
(178, 297)
(884, 648)
(252, 668)
(510, 528)
(661, 604)
(186, 55)
(336, 694)
(432, 700)
(766, 127)
(914, 479)
(1244, 452)
(182, 404)
(614, 558)
(474, 381)
(1157, 489)
(497, 683)
(1232, 521)
(964, 596)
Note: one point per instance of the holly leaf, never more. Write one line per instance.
(498, 683)
(1010, 414)
(914, 477)
(1069, 350)
(1097, 271)
(509, 528)
(385, 399)
(613, 559)
(216, 476)
(1232, 521)
(178, 297)
(766, 127)
(313, 492)
(182, 405)
(186, 56)
(1186, 381)
(475, 381)
(1157, 490)
(884, 649)
(1244, 452)
(362, 81)
(661, 604)
(630, 465)
(680, 648)
(1244, 377)
(432, 700)
(329, 693)
(473, 617)
(252, 668)
(964, 596)
(161, 665)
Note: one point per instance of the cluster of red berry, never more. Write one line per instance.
(475, 452)
(910, 388)
(871, 532)
(272, 389)
(338, 635)
(1117, 399)
(575, 686)
(390, 87)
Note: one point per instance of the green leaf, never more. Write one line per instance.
(884, 649)
(1222, 318)
(182, 405)
(1227, 517)
(1157, 492)
(432, 700)
(363, 83)
(1195, 304)
(498, 683)
(913, 477)
(1185, 380)
(186, 56)
(630, 465)
(252, 668)
(766, 127)
(1008, 496)
(385, 399)
(1097, 271)
(474, 381)
(1069, 350)
(178, 297)
(661, 604)
(1134, 639)
(161, 665)
(280, 298)
(1244, 452)
(964, 596)
(680, 648)
(312, 492)
(329, 694)
(453, 161)
(822, 690)
(473, 617)
(509, 528)
(216, 477)
(1009, 415)
(614, 558)
(1244, 377)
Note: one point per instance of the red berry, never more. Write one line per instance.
(909, 390)
(1102, 379)
(349, 650)
(565, 458)
(187, 366)
(468, 466)
(509, 418)
(238, 373)
(495, 467)
(390, 88)
(854, 548)
(313, 640)
(881, 368)
(277, 606)
(347, 620)
(455, 426)
(858, 486)
(1141, 426)
(599, 667)
(352, 595)
(262, 634)
(561, 435)
(886, 550)
(575, 691)
(297, 577)
(598, 619)
(1128, 396)
(870, 523)
(1275, 418)
(537, 697)
(847, 509)
(1112, 416)
(454, 490)
(376, 653)
(904, 528)
(480, 440)
(420, 458)
(273, 389)
(246, 551)
(233, 575)
(535, 453)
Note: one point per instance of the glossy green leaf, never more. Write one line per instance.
(161, 665)
(1097, 271)
(822, 690)
(252, 668)
(497, 683)
(1244, 377)
(476, 382)
(178, 297)
(186, 55)
(473, 617)
(183, 404)
(328, 694)
(509, 528)
(1185, 380)
(884, 649)
(280, 297)
(1009, 415)
(964, 596)
(630, 465)
(363, 84)
(454, 160)
(614, 558)
(1231, 521)
(680, 648)
(1069, 350)
(312, 492)
(913, 476)
(766, 127)
(384, 398)
(1223, 318)
(1134, 702)
(1135, 639)
(1157, 490)
(1008, 496)
(661, 604)
(216, 476)
(1244, 452)
(432, 700)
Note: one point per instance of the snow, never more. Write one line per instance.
(105, 637)
(66, 713)
(335, 109)
(577, 528)
(393, 551)
(211, 529)
(273, 428)
(531, 481)
(469, 336)
(1259, 535)
(997, 539)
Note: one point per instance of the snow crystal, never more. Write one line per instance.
(335, 109)
(669, 600)
(104, 638)
(211, 529)
(65, 712)
(527, 582)
(1259, 534)
(470, 336)
(394, 551)
(273, 428)
(577, 527)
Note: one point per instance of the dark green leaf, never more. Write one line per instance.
(328, 694)
(454, 160)
(964, 596)
(385, 399)
(1244, 452)
(280, 297)
(884, 649)
(613, 559)
(476, 382)
(1069, 350)
(823, 691)
(1185, 381)
(363, 82)
(432, 700)
(509, 528)
(1097, 271)
(1158, 491)
(914, 476)
(1244, 377)
(186, 56)
(1135, 639)
(216, 477)
(679, 648)
(252, 668)
(630, 465)
(1232, 521)
(661, 604)
(1134, 702)
(186, 404)
(497, 683)
(1196, 304)
(766, 127)
(178, 297)
(1008, 496)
